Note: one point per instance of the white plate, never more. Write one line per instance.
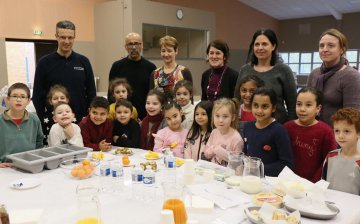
(25, 183)
(310, 214)
(121, 154)
(160, 156)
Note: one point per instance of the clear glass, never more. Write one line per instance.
(88, 205)
(236, 163)
(174, 193)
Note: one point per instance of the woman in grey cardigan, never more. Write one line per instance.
(264, 62)
(339, 82)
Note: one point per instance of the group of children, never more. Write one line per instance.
(208, 131)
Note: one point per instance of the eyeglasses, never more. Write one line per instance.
(15, 97)
(134, 44)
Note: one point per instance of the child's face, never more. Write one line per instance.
(262, 109)
(153, 105)
(223, 119)
(63, 115)
(120, 93)
(246, 91)
(182, 96)
(18, 100)
(306, 108)
(98, 115)
(173, 119)
(345, 134)
(201, 117)
(123, 114)
(58, 97)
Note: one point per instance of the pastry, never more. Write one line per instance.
(270, 198)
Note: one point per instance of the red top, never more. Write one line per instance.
(246, 115)
(310, 146)
(17, 121)
(93, 134)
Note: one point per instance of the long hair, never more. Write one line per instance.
(195, 128)
(251, 58)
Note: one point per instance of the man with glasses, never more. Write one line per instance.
(67, 68)
(136, 70)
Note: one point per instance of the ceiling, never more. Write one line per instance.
(291, 9)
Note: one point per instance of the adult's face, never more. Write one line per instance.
(216, 58)
(330, 50)
(65, 39)
(263, 48)
(168, 54)
(133, 45)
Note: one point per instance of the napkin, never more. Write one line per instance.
(27, 216)
(220, 195)
(308, 204)
(291, 184)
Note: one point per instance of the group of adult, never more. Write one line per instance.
(339, 82)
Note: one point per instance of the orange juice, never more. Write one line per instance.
(89, 221)
(178, 208)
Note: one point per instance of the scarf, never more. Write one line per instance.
(326, 73)
(147, 138)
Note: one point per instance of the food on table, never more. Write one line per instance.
(125, 160)
(152, 155)
(149, 163)
(255, 213)
(84, 170)
(277, 215)
(179, 162)
(270, 198)
(292, 220)
(123, 151)
(98, 155)
(294, 185)
(173, 145)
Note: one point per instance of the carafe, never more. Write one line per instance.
(88, 205)
(173, 193)
(253, 171)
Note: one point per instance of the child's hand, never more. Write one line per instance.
(105, 146)
(115, 138)
(5, 165)
(69, 131)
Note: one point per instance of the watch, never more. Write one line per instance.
(179, 14)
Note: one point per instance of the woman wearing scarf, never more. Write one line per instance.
(263, 61)
(339, 82)
(165, 77)
(218, 81)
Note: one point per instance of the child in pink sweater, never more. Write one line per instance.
(225, 138)
(174, 133)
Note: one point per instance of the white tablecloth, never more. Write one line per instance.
(56, 195)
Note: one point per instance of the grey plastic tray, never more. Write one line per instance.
(34, 161)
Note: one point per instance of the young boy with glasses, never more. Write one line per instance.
(20, 130)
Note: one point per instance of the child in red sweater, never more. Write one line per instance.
(96, 128)
(311, 139)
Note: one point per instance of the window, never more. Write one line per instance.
(192, 43)
(302, 63)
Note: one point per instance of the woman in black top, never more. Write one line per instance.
(218, 81)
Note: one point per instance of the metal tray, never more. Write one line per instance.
(335, 210)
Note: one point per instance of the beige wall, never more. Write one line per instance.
(290, 36)
(235, 22)
(133, 14)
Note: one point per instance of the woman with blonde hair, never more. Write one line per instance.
(165, 77)
(338, 81)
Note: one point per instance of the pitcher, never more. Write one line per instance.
(253, 171)
(236, 163)
(88, 205)
(173, 193)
